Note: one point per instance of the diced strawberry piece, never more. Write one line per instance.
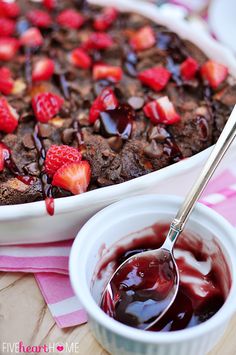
(70, 18)
(74, 177)
(46, 106)
(161, 111)
(80, 58)
(59, 155)
(50, 4)
(189, 68)
(39, 18)
(103, 71)
(156, 77)
(31, 37)
(143, 39)
(43, 69)
(104, 20)
(8, 9)
(98, 41)
(106, 100)
(8, 117)
(7, 27)
(6, 82)
(8, 48)
(213, 72)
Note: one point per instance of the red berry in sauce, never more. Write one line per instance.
(156, 77)
(50, 4)
(106, 100)
(59, 155)
(6, 81)
(79, 58)
(31, 37)
(46, 105)
(105, 19)
(70, 18)
(9, 9)
(43, 69)
(143, 39)
(189, 68)
(104, 71)
(8, 117)
(161, 111)
(74, 177)
(39, 18)
(8, 48)
(214, 73)
(7, 27)
(98, 40)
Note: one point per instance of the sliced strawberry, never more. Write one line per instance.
(161, 111)
(79, 58)
(9, 9)
(50, 4)
(8, 117)
(59, 155)
(213, 72)
(156, 77)
(104, 71)
(6, 82)
(8, 48)
(143, 39)
(31, 37)
(104, 20)
(70, 18)
(189, 68)
(39, 18)
(106, 100)
(46, 106)
(43, 69)
(7, 27)
(74, 177)
(98, 41)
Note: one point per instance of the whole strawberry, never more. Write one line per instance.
(46, 105)
(59, 155)
(8, 117)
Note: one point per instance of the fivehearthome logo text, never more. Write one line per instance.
(21, 348)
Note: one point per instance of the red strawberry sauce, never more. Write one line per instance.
(204, 279)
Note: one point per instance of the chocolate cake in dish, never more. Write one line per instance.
(91, 97)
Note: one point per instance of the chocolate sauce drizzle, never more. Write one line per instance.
(45, 180)
(11, 166)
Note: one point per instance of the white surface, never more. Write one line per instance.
(222, 21)
(29, 223)
(132, 215)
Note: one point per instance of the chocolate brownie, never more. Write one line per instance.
(125, 121)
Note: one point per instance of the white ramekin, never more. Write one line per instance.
(29, 223)
(114, 223)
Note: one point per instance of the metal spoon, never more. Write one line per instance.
(143, 288)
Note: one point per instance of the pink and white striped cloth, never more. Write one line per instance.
(49, 262)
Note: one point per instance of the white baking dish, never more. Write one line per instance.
(29, 223)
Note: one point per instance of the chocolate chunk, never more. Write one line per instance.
(68, 135)
(45, 130)
(28, 141)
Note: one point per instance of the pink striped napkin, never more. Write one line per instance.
(49, 262)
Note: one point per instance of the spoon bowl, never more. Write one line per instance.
(142, 289)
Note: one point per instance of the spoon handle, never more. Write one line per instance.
(226, 138)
